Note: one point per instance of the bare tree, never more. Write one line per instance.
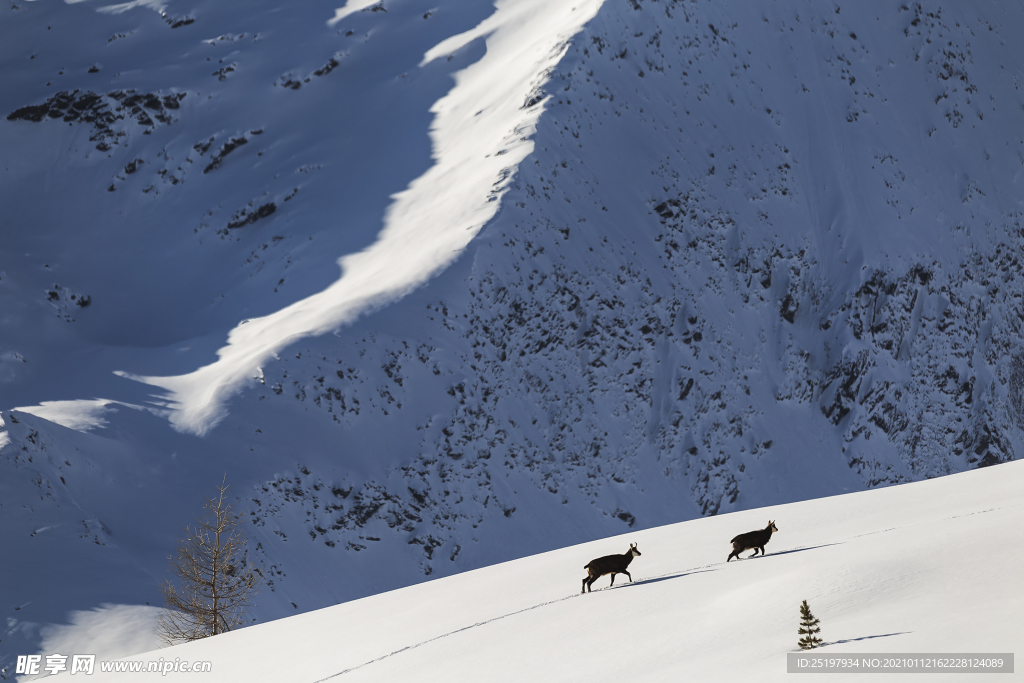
(217, 582)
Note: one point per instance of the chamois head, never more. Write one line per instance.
(771, 525)
(633, 550)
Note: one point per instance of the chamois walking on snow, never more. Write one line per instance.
(752, 539)
(609, 564)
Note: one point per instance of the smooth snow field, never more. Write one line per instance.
(926, 567)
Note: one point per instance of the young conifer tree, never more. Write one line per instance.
(808, 628)
(216, 582)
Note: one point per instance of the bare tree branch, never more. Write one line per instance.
(215, 580)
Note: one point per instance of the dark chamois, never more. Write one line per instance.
(752, 539)
(609, 564)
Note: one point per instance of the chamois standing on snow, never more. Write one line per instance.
(752, 539)
(609, 564)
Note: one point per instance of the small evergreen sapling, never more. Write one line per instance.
(808, 628)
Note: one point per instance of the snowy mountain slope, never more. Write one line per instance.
(369, 73)
(926, 567)
(756, 256)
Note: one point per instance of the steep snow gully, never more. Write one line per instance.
(605, 266)
(430, 223)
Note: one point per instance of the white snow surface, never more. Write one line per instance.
(929, 567)
(124, 629)
(350, 7)
(738, 255)
(81, 414)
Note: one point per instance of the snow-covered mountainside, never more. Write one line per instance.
(443, 285)
(928, 567)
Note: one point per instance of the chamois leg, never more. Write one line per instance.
(613, 580)
(584, 585)
(627, 575)
(762, 551)
(735, 553)
(753, 554)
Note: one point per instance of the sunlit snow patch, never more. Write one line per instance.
(108, 631)
(154, 5)
(80, 415)
(493, 107)
(351, 7)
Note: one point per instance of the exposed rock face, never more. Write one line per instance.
(104, 113)
(679, 327)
